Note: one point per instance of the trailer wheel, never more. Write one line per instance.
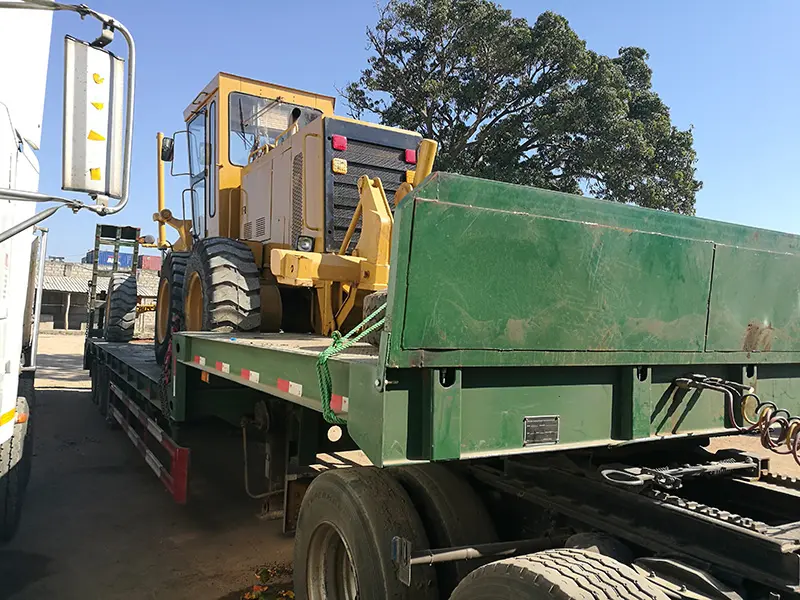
(221, 290)
(452, 514)
(562, 574)
(342, 548)
(169, 302)
(121, 307)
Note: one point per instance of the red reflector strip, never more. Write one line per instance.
(177, 477)
(339, 403)
(200, 360)
(339, 142)
(290, 387)
(253, 376)
(411, 157)
(222, 366)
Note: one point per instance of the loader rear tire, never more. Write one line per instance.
(562, 574)
(221, 290)
(452, 513)
(371, 303)
(121, 307)
(169, 302)
(342, 547)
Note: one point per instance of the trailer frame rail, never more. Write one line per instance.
(176, 478)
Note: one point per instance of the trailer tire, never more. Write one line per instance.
(561, 574)
(169, 301)
(347, 520)
(371, 303)
(452, 513)
(221, 290)
(601, 543)
(121, 307)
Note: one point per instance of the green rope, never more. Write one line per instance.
(340, 342)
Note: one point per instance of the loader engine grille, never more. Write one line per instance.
(248, 230)
(373, 160)
(297, 198)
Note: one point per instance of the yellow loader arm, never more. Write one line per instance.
(367, 267)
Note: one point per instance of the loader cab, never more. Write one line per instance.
(229, 122)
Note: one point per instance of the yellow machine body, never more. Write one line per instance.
(307, 191)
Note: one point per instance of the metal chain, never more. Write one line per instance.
(338, 344)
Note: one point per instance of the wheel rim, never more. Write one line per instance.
(162, 310)
(330, 573)
(194, 303)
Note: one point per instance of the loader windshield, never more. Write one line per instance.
(255, 121)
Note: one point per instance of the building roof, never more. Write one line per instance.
(79, 285)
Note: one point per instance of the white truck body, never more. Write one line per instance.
(24, 51)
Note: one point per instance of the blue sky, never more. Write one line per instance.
(728, 68)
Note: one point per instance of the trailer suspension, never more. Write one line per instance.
(779, 431)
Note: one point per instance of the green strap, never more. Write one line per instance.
(340, 342)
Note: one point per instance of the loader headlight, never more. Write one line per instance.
(305, 244)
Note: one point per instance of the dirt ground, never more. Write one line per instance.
(98, 524)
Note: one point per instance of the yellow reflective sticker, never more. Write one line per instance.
(98, 105)
(7, 417)
(410, 176)
(94, 174)
(97, 78)
(95, 137)
(339, 166)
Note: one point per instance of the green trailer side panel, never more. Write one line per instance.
(491, 279)
(458, 189)
(755, 301)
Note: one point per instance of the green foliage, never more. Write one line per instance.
(525, 104)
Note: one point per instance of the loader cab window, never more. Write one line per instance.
(198, 171)
(255, 121)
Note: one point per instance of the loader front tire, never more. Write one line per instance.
(221, 289)
(169, 302)
(121, 307)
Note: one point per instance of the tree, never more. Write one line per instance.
(525, 104)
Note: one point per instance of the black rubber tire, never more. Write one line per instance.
(173, 271)
(371, 303)
(452, 513)
(121, 307)
(367, 507)
(26, 389)
(562, 574)
(231, 288)
(601, 543)
(15, 463)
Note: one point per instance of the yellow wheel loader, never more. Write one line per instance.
(286, 224)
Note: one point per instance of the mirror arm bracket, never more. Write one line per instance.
(102, 208)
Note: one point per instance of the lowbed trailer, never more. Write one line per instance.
(549, 374)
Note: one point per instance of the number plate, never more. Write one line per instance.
(540, 430)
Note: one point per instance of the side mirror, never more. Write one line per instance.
(147, 239)
(94, 81)
(167, 149)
